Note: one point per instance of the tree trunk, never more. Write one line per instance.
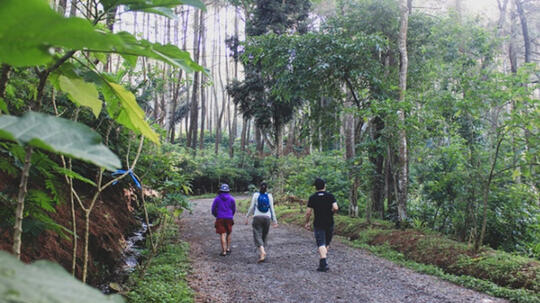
(349, 158)
(222, 88)
(524, 30)
(73, 9)
(243, 135)
(278, 140)
(4, 78)
(480, 239)
(227, 98)
(377, 160)
(390, 185)
(62, 4)
(202, 35)
(194, 115)
(235, 111)
(403, 150)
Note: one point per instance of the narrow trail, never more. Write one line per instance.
(289, 273)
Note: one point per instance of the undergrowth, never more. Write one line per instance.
(165, 278)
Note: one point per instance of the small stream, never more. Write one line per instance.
(131, 256)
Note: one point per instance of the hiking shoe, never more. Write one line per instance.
(228, 252)
(323, 269)
(223, 254)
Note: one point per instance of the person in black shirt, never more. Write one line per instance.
(324, 205)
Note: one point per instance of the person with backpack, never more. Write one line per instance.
(324, 205)
(223, 209)
(262, 209)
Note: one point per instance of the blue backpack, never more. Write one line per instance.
(263, 203)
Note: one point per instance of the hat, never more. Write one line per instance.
(224, 188)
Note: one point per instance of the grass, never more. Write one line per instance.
(165, 278)
(490, 271)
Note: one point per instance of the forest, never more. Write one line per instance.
(422, 116)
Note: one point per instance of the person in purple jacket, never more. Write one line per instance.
(223, 209)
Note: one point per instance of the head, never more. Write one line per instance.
(319, 184)
(224, 188)
(263, 188)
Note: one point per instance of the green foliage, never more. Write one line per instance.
(165, 279)
(81, 93)
(58, 135)
(44, 282)
(300, 173)
(123, 107)
(22, 46)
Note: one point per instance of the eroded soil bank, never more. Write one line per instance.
(112, 221)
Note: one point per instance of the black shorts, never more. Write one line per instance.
(323, 236)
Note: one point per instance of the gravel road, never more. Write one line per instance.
(289, 273)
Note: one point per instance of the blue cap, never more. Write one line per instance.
(224, 188)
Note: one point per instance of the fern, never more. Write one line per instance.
(74, 175)
(8, 168)
(41, 199)
(7, 161)
(46, 169)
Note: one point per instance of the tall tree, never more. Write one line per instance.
(403, 179)
(194, 106)
(251, 94)
(202, 30)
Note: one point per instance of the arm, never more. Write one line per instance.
(251, 209)
(335, 207)
(233, 206)
(308, 215)
(214, 208)
(272, 211)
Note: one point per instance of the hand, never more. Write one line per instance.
(307, 226)
(275, 225)
(247, 221)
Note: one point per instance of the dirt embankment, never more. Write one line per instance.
(111, 220)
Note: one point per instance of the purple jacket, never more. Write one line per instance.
(224, 206)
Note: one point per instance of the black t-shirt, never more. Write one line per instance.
(321, 202)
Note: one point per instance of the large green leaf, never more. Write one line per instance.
(58, 135)
(44, 282)
(123, 107)
(31, 33)
(81, 93)
(167, 53)
(30, 29)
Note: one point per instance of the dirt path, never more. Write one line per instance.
(289, 273)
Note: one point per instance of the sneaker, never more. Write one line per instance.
(223, 254)
(228, 251)
(323, 269)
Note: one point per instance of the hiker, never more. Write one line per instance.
(324, 205)
(262, 209)
(223, 209)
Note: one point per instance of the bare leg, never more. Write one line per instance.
(322, 252)
(223, 242)
(262, 254)
(228, 242)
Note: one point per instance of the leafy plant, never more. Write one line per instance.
(45, 282)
